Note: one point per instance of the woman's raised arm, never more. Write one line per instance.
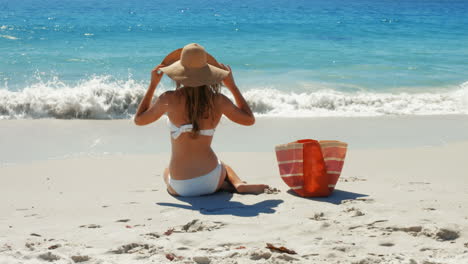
(147, 113)
(241, 112)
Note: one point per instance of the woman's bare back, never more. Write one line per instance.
(192, 155)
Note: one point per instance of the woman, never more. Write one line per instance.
(194, 110)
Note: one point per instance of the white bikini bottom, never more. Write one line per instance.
(201, 185)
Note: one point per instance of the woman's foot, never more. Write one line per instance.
(251, 188)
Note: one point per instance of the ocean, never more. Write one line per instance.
(89, 59)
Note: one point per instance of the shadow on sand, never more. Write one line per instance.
(335, 198)
(220, 204)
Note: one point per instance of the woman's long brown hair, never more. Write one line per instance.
(199, 103)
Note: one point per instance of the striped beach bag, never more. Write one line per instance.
(311, 168)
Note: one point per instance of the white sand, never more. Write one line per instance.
(392, 205)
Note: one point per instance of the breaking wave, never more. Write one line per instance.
(103, 97)
(336, 103)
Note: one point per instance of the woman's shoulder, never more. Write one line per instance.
(168, 96)
(221, 99)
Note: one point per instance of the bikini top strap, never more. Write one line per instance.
(177, 131)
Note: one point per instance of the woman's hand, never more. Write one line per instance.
(240, 112)
(156, 74)
(229, 80)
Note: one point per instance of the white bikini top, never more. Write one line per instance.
(176, 131)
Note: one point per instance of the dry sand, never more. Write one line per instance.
(392, 205)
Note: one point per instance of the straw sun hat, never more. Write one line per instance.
(192, 66)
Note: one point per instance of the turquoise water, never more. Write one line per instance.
(91, 59)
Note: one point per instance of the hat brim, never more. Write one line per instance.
(212, 73)
(194, 77)
(175, 56)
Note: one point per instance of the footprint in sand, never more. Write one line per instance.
(193, 226)
(440, 234)
(412, 230)
(446, 234)
(78, 259)
(48, 257)
(368, 260)
(196, 225)
(131, 248)
(370, 225)
(359, 199)
(354, 212)
(261, 254)
(201, 260)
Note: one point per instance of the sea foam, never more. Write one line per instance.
(99, 97)
(103, 97)
(328, 102)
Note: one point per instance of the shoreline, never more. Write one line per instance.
(43, 139)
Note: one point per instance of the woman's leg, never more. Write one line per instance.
(224, 184)
(241, 186)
